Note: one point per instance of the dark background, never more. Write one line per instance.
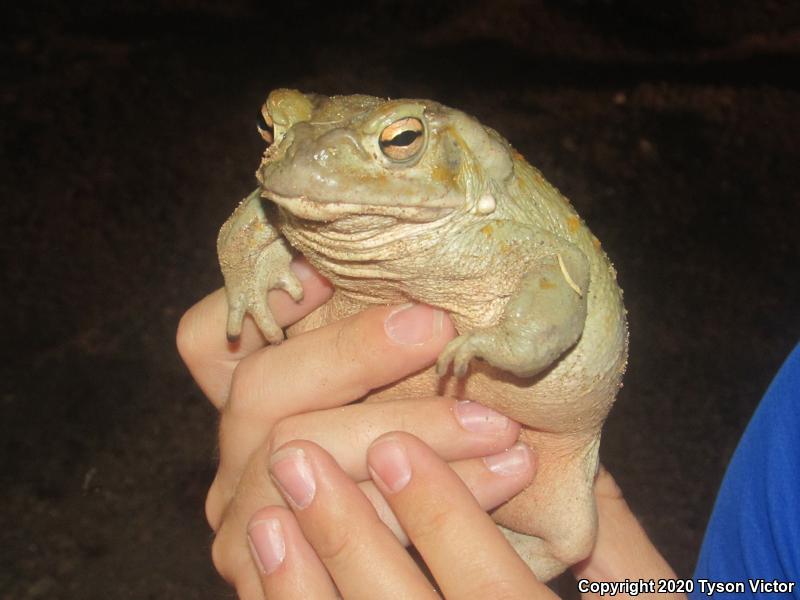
(128, 136)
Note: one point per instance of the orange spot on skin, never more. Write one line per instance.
(546, 284)
(596, 242)
(517, 155)
(487, 230)
(573, 223)
(505, 248)
(442, 174)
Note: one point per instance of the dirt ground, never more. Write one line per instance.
(128, 136)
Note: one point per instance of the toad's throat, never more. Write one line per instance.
(313, 209)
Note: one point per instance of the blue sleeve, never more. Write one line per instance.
(754, 531)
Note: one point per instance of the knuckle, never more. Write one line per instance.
(219, 557)
(252, 382)
(334, 546)
(242, 389)
(360, 343)
(214, 507)
(431, 527)
(282, 432)
(339, 539)
(343, 345)
(185, 337)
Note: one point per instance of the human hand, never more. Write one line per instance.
(331, 543)
(269, 395)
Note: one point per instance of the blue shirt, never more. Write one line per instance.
(754, 531)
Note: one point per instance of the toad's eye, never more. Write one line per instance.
(265, 126)
(402, 140)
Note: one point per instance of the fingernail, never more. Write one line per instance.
(413, 324)
(302, 270)
(266, 544)
(388, 462)
(293, 474)
(479, 418)
(513, 461)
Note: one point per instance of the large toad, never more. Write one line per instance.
(408, 200)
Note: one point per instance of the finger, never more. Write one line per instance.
(201, 339)
(446, 524)
(438, 419)
(287, 566)
(491, 480)
(323, 368)
(455, 430)
(360, 553)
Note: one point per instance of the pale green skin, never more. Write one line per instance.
(466, 225)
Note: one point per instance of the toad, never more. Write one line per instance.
(399, 201)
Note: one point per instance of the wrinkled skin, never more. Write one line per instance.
(408, 200)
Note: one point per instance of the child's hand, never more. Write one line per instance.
(302, 388)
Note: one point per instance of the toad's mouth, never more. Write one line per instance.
(313, 209)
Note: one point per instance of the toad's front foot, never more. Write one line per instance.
(540, 322)
(459, 352)
(515, 351)
(247, 291)
(254, 259)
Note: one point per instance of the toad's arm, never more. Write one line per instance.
(544, 316)
(254, 259)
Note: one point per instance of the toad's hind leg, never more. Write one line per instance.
(553, 523)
